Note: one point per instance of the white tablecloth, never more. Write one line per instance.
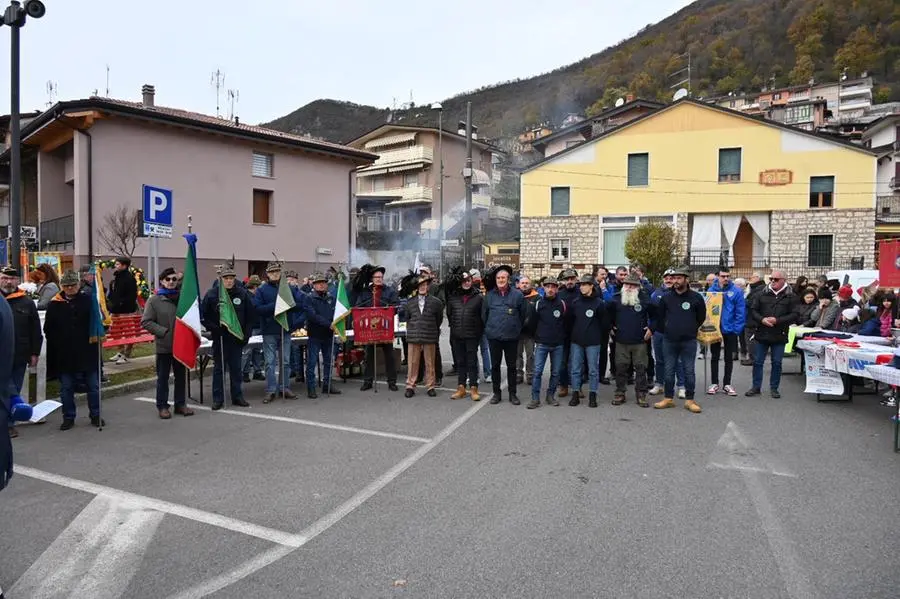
(849, 360)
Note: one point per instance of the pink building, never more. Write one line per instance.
(250, 191)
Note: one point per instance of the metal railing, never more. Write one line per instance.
(702, 261)
(57, 231)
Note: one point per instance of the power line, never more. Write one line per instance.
(699, 193)
(716, 182)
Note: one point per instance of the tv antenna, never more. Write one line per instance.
(107, 80)
(52, 89)
(234, 97)
(217, 80)
(685, 73)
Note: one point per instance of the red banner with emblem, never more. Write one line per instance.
(373, 326)
(889, 264)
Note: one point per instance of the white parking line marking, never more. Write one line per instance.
(97, 554)
(218, 583)
(253, 530)
(336, 427)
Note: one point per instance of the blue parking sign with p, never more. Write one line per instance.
(157, 205)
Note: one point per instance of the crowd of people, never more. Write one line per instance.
(585, 326)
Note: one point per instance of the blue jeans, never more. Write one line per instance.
(270, 352)
(296, 360)
(684, 352)
(564, 377)
(252, 360)
(660, 366)
(313, 348)
(67, 382)
(576, 365)
(485, 358)
(759, 358)
(541, 352)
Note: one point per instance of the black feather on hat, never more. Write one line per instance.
(408, 284)
(453, 282)
(363, 278)
(489, 280)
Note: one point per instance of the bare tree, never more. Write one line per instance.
(120, 231)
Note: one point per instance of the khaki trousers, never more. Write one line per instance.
(416, 351)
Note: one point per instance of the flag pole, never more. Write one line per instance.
(99, 360)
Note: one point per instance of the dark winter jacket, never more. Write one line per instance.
(782, 306)
(754, 290)
(27, 327)
(503, 314)
(734, 310)
(320, 315)
(264, 302)
(159, 320)
(530, 301)
(122, 297)
(423, 326)
(569, 295)
(549, 322)
(870, 328)
(7, 345)
(243, 308)
(655, 298)
(804, 313)
(589, 320)
(680, 315)
(630, 322)
(464, 315)
(389, 297)
(67, 327)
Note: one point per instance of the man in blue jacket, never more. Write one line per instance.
(629, 313)
(503, 312)
(731, 324)
(319, 315)
(588, 326)
(548, 324)
(658, 353)
(274, 336)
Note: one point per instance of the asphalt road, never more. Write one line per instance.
(373, 495)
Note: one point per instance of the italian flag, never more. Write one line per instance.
(186, 340)
(341, 311)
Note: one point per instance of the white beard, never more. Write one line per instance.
(630, 297)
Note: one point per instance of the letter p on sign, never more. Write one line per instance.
(157, 205)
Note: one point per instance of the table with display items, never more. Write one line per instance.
(889, 375)
(846, 358)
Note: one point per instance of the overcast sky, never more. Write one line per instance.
(364, 51)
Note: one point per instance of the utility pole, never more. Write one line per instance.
(15, 16)
(467, 175)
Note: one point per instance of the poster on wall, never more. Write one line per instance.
(53, 259)
(889, 264)
(819, 379)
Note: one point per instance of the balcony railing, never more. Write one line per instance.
(895, 183)
(887, 209)
(58, 231)
(396, 158)
(400, 194)
(702, 261)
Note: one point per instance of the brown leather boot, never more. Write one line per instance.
(460, 392)
(473, 391)
(563, 391)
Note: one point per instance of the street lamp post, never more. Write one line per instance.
(440, 109)
(15, 16)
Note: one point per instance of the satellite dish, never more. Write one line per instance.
(681, 93)
(620, 102)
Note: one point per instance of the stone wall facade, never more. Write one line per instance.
(681, 233)
(853, 231)
(536, 232)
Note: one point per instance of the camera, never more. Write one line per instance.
(35, 9)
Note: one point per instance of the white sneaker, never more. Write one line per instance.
(656, 390)
(713, 389)
(730, 390)
(121, 360)
(682, 394)
(116, 357)
(487, 378)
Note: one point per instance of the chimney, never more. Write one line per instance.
(148, 92)
(629, 98)
(237, 120)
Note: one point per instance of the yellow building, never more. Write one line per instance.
(756, 193)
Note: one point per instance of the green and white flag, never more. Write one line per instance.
(341, 311)
(228, 317)
(283, 303)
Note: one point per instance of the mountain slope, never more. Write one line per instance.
(734, 45)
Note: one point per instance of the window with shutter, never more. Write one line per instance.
(638, 170)
(262, 207)
(559, 201)
(729, 164)
(262, 164)
(821, 192)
